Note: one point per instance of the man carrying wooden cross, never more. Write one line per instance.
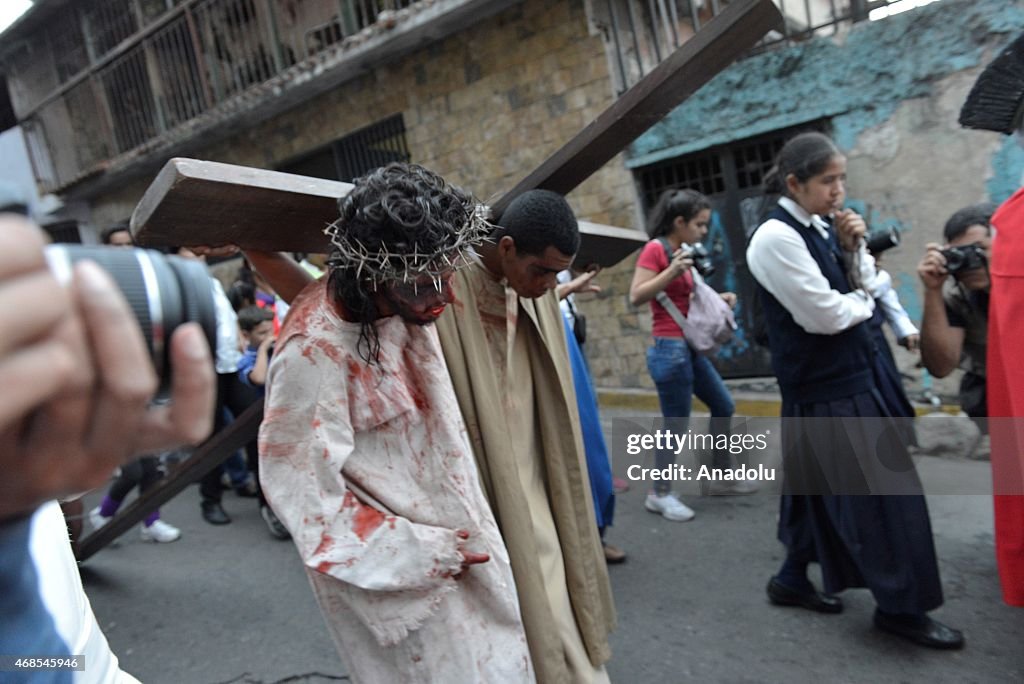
(366, 460)
(505, 348)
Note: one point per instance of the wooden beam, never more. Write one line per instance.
(195, 202)
(606, 245)
(206, 457)
(717, 45)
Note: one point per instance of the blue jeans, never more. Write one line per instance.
(679, 373)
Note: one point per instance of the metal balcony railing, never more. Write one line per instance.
(126, 72)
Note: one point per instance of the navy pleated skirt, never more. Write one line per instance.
(881, 542)
(888, 382)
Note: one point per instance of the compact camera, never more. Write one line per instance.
(964, 258)
(701, 258)
(163, 292)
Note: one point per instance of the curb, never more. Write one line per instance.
(755, 404)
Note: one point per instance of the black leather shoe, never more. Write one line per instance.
(924, 631)
(214, 514)
(781, 595)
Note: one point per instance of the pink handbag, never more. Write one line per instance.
(709, 323)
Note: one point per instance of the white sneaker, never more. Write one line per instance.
(669, 506)
(97, 519)
(160, 531)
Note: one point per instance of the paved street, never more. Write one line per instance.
(231, 604)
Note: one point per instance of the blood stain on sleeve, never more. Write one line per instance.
(326, 542)
(366, 520)
(330, 350)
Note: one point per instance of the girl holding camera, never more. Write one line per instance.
(811, 267)
(679, 220)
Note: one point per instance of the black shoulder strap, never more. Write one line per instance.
(667, 247)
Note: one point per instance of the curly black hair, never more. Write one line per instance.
(402, 209)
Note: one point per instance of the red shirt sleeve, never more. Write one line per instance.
(653, 257)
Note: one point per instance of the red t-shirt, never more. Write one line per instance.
(653, 258)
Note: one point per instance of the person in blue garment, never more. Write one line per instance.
(598, 463)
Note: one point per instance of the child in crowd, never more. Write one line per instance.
(256, 326)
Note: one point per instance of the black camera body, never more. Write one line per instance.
(701, 258)
(964, 258)
(163, 292)
(882, 240)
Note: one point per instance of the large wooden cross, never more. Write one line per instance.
(207, 203)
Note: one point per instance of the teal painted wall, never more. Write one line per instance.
(857, 84)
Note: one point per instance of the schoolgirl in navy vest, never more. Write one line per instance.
(814, 277)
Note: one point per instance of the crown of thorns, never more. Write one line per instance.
(384, 267)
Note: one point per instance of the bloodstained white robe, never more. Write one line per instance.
(370, 469)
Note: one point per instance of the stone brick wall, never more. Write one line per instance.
(483, 108)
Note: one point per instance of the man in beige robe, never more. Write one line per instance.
(504, 343)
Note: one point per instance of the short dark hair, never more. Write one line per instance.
(539, 219)
(251, 316)
(241, 292)
(109, 231)
(974, 215)
(805, 156)
(673, 203)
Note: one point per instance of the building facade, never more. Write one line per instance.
(484, 90)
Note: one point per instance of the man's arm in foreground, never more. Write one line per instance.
(941, 343)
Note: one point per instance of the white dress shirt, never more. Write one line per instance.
(780, 261)
(227, 355)
(895, 315)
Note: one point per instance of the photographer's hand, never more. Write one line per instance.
(932, 267)
(941, 343)
(78, 380)
(680, 264)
